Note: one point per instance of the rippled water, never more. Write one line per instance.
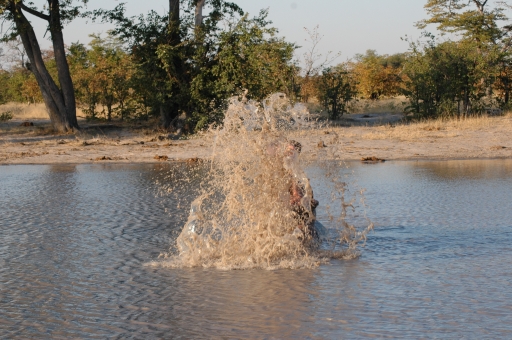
(74, 241)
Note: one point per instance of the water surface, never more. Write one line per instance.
(74, 241)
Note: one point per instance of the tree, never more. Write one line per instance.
(472, 19)
(2, 55)
(21, 84)
(102, 74)
(313, 64)
(378, 75)
(446, 79)
(464, 76)
(187, 63)
(336, 89)
(58, 98)
(4, 81)
(13, 54)
(160, 90)
(247, 58)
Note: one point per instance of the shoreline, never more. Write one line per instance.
(483, 138)
(173, 161)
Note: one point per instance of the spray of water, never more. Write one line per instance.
(255, 206)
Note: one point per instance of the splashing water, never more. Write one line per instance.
(255, 207)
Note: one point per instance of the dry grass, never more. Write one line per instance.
(146, 131)
(385, 105)
(23, 111)
(14, 128)
(438, 128)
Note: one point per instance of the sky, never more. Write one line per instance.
(347, 26)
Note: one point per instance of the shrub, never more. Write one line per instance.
(5, 116)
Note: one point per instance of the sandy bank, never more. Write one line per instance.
(484, 137)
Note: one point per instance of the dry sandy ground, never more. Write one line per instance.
(381, 136)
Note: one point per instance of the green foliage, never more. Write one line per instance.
(172, 66)
(460, 77)
(473, 20)
(450, 78)
(19, 85)
(102, 75)
(194, 70)
(248, 59)
(336, 89)
(68, 10)
(4, 81)
(378, 75)
(150, 83)
(5, 116)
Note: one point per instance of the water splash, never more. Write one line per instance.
(255, 207)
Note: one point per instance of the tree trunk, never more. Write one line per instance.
(60, 104)
(198, 21)
(109, 110)
(334, 108)
(506, 87)
(466, 103)
(66, 84)
(174, 21)
(169, 110)
(199, 13)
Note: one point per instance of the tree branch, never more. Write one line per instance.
(480, 5)
(34, 12)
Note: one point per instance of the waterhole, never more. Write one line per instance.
(76, 241)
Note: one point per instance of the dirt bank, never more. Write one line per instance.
(382, 136)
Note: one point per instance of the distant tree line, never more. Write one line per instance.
(457, 77)
(464, 76)
(183, 64)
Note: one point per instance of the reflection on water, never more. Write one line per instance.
(75, 241)
(476, 169)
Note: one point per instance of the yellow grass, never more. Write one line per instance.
(23, 111)
(437, 128)
(385, 105)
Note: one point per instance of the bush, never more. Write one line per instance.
(5, 116)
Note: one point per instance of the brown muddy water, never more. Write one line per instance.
(76, 241)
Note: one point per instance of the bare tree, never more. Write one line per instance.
(14, 54)
(314, 62)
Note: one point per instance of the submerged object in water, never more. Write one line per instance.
(195, 230)
(255, 207)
